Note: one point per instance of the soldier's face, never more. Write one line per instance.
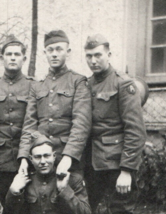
(97, 58)
(56, 54)
(43, 158)
(13, 58)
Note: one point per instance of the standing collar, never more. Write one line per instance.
(99, 77)
(13, 78)
(58, 72)
(46, 178)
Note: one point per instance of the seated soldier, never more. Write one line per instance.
(43, 191)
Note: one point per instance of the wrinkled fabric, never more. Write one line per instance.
(60, 108)
(118, 131)
(13, 101)
(41, 196)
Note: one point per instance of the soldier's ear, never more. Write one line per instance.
(109, 54)
(25, 58)
(68, 50)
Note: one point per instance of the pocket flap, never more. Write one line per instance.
(31, 199)
(2, 142)
(64, 139)
(41, 94)
(65, 93)
(115, 139)
(22, 98)
(2, 98)
(106, 95)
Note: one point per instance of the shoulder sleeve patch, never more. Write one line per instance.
(131, 89)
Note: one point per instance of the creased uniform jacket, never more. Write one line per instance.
(13, 101)
(118, 131)
(60, 108)
(41, 197)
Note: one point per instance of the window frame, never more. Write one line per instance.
(152, 78)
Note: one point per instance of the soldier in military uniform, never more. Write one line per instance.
(14, 91)
(118, 132)
(46, 192)
(59, 107)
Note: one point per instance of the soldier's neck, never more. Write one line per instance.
(58, 69)
(12, 74)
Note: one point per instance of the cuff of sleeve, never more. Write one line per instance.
(66, 193)
(16, 197)
(127, 169)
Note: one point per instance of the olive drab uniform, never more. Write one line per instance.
(41, 196)
(118, 134)
(13, 101)
(60, 108)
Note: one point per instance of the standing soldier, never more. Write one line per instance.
(118, 132)
(14, 91)
(59, 107)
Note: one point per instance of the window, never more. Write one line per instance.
(156, 42)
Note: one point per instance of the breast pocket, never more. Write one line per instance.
(42, 103)
(65, 100)
(113, 146)
(107, 104)
(5, 152)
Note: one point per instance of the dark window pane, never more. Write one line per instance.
(159, 7)
(158, 60)
(159, 32)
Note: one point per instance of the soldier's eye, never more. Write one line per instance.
(88, 56)
(46, 155)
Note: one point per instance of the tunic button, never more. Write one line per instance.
(50, 119)
(44, 183)
(11, 124)
(50, 136)
(116, 141)
(93, 94)
(50, 104)
(10, 109)
(54, 78)
(42, 196)
(10, 95)
(11, 83)
(51, 91)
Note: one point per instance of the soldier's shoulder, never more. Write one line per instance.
(77, 76)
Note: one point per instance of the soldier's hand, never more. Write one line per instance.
(62, 182)
(20, 181)
(23, 167)
(64, 166)
(123, 183)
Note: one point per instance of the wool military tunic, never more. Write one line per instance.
(13, 101)
(118, 131)
(41, 197)
(60, 108)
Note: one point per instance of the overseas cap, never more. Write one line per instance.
(9, 39)
(38, 139)
(95, 40)
(54, 37)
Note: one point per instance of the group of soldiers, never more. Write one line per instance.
(68, 144)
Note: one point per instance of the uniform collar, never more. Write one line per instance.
(57, 73)
(14, 78)
(102, 75)
(46, 178)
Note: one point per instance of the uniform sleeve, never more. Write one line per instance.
(134, 129)
(74, 199)
(30, 125)
(14, 204)
(81, 121)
